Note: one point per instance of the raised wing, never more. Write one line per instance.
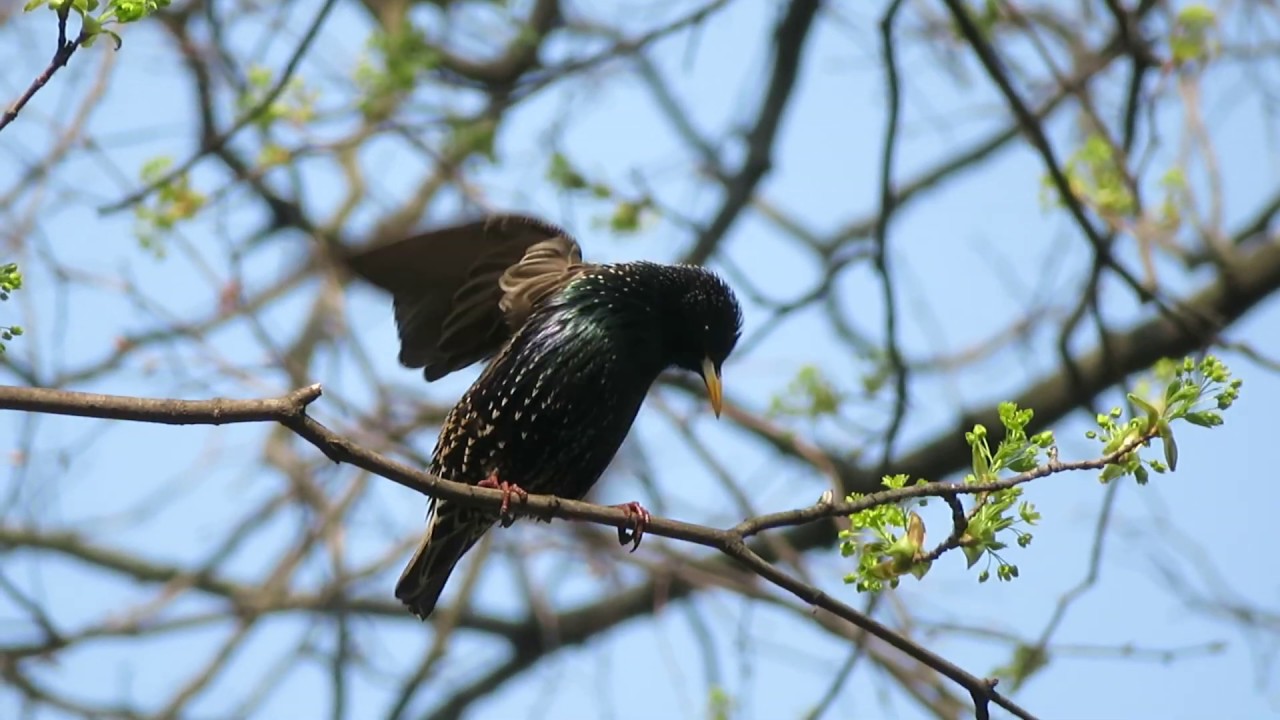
(461, 291)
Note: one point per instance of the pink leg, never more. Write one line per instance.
(639, 519)
(508, 489)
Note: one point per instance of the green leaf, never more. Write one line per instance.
(902, 551)
(1153, 415)
(1196, 16)
(1204, 418)
(562, 173)
(920, 569)
(1141, 475)
(719, 704)
(626, 217)
(1111, 472)
(1024, 463)
(981, 468)
(811, 395)
(1190, 39)
(1170, 447)
(1188, 393)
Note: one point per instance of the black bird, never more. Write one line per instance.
(576, 347)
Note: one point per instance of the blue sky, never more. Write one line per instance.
(972, 257)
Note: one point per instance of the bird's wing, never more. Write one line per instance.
(545, 267)
(461, 291)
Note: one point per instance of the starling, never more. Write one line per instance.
(575, 347)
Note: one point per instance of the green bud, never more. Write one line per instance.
(1204, 418)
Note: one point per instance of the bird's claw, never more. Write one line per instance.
(639, 520)
(508, 489)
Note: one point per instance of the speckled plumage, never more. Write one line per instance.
(553, 407)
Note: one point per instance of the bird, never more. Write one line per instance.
(573, 348)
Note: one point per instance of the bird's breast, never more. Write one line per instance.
(549, 423)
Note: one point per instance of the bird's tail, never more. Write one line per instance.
(450, 534)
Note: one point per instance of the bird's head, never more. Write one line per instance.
(703, 325)
(662, 315)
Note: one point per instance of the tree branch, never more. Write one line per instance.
(217, 142)
(61, 56)
(290, 411)
(789, 45)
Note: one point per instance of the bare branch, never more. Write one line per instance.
(290, 411)
(61, 56)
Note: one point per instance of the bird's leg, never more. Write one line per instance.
(508, 489)
(639, 519)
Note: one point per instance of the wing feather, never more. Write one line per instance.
(461, 291)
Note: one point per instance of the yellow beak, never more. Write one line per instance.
(714, 390)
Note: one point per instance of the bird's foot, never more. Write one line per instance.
(639, 520)
(508, 489)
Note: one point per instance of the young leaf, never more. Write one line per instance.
(1170, 447)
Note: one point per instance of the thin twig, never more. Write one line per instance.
(220, 140)
(290, 411)
(61, 56)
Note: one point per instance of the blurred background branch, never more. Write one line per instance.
(927, 208)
